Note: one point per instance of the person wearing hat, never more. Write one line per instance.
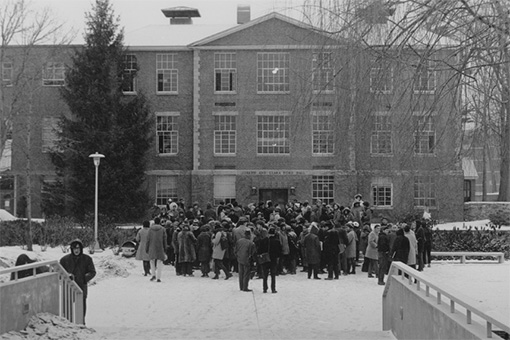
(371, 251)
(187, 252)
(80, 267)
(156, 248)
(244, 251)
(312, 247)
(141, 254)
(204, 250)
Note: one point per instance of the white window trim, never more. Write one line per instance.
(228, 113)
(377, 154)
(234, 71)
(135, 80)
(165, 93)
(273, 113)
(331, 115)
(288, 71)
(382, 183)
(60, 81)
(167, 114)
(8, 82)
(391, 81)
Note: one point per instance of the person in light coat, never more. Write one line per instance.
(413, 246)
(371, 253)
(141, 252)
(219, 253)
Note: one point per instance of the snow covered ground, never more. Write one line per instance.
(124, 304)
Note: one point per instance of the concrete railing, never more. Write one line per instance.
(414, 307)
(70, 295)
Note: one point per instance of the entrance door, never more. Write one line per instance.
(277, 196)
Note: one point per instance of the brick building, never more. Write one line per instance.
(274, 109)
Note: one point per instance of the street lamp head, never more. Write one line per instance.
(96, 157)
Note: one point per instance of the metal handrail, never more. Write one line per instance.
(71, 295)
(413, 276)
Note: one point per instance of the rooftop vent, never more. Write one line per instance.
(181, 15)
(243, 14)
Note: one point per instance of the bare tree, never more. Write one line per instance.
(467, 38)
(22, 30)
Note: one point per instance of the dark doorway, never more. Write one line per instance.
(277, 196)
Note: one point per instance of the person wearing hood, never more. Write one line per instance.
(312, 247)
(80, 268)
(156, 248)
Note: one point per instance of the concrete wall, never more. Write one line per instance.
(20, 300)
(474, 211)
(413, 316)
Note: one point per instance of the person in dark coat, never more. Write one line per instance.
(420, 237)
(331, 251)
(187, 251)
(383, 248)
(204, 250)
(23, 259)
(400, 251)
(272, 246)
(312, 247)
(428, 243)
(245, 250)
(80, 267)
(156, 248)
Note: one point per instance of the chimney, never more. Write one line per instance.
(243, 14)
(181, 15)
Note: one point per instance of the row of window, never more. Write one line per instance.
(274, 134)
(273, 70)
(322, 188)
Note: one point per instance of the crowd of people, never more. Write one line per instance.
(267, 240)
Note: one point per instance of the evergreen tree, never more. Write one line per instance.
(103, 120)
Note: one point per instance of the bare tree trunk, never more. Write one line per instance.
(28, 177)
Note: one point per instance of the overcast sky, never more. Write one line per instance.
(135, 14)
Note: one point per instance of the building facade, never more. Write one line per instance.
(274, 109)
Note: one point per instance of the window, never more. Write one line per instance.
(54, 74)
(322, 72)
(7, 70)
(167, 73)
(381, 77)
(467, 190)
(425, 136)
(224, 189)
(225, 72)
(425, 77)
(322, 133)
(166, 187)
(273, 134)
(273, 72)
(323, 189)
(424, 192)
(167, 133)
(381, 141)
(225, 134)
(129, 76)
(382, 193)
(49, 133)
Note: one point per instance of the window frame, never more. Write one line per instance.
(385, 185)
(419, 77)
(220, 68)
(173, 133)
(230, 181)
(268, 69)
(276, 120)
(323, 135)
(422, 134)
(323, 180)
(10, 70)
(170, 190)
(378, 72)
(424, 191)
(131, 71)
(324, 68)
(53, 69)
(379, 133)
(219, 134)
(163, 67)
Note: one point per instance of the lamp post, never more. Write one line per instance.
(97, 159)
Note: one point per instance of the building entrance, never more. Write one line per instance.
(277, 196)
